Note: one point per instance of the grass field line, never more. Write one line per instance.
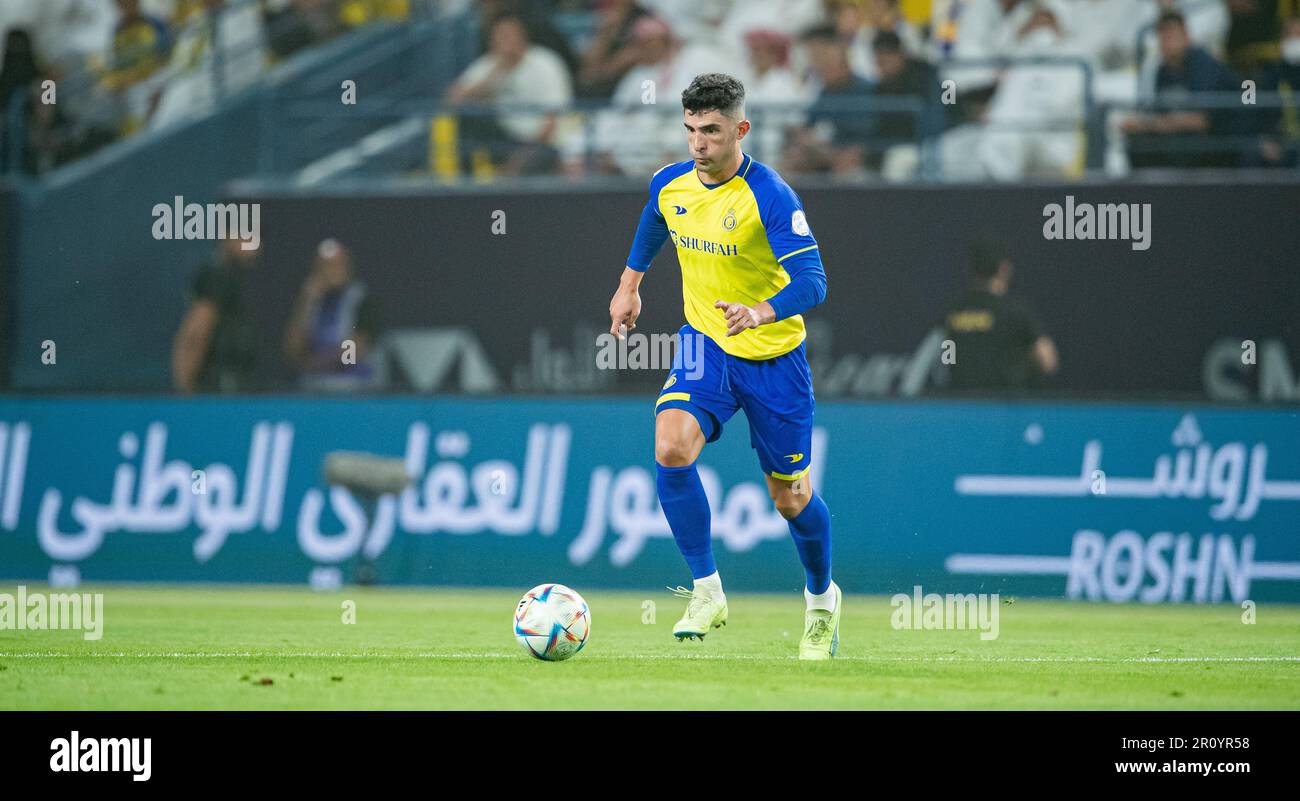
(631, 657)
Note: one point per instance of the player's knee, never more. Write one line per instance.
(674, 449)
(678, 439)
(789, 504)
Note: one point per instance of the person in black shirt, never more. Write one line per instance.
(839, 124)
(1252, 35)
(899, 76)
(999, 343)
(215, 346)
(1279, 127)
(1180, 132)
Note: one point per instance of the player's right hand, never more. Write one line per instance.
(623, 311)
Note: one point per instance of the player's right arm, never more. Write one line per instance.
(651, 233)
(626, 304)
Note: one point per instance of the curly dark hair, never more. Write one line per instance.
(715, 91)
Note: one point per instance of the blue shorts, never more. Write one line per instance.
(776, 394)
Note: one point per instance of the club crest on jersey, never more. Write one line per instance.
(729, 222)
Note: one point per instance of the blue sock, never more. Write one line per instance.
(811, 529)
(681, 494)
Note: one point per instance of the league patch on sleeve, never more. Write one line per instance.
(799, 223)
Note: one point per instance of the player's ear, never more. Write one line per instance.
(742, 128)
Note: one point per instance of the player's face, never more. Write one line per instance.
(713, 139)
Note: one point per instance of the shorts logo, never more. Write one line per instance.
(799, 223)
(729, 222)
(794, 457)
(672, 379)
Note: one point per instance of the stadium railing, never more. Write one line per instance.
(1239, 124)
(99, 114)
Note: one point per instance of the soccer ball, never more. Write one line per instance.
(552, 622)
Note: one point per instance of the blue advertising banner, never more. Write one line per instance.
(1094, 502)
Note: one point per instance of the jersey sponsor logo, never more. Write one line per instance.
(799, 223)
(679, 209)
(703, 245)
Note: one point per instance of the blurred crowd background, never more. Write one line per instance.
(855, 89)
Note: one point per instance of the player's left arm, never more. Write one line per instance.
(796, 250)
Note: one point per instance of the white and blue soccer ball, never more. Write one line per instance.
(552, 622)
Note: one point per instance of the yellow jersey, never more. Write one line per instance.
(735, 241)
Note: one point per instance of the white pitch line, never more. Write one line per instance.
(590, 657)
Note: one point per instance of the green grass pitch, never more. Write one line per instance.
(187, 647)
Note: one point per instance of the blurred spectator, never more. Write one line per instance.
(19, 79)
(1253, 34)
(1034, 119)
(702, 20)
(999, 342)
(294, 24)
(215, 349)
(1105, 32)
(986, 29)
(1186, 136)
(900, 76)
(141, 44)
(64, 32)
(220, 50)
(19, 72)
(1279, 128)
(839, 124)
(612, 53)
(861, 21)
(742, 18)
(1207, 23)
(643, 129)
(35, 136)
(332, 333)
(774, 96)
(539, 28)
(514, 73)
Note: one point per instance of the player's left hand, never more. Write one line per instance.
(741, 317)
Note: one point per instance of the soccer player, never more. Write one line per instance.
(750, 266)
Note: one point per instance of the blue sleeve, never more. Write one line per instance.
(650, 235)
(793, 246)
(652, 231)
(806, 289)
